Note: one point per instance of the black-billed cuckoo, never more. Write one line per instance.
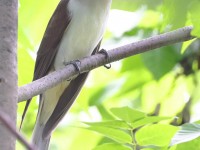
(74, 31)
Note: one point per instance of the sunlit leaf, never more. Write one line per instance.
(190, 145)
(115, 134)
(106, 115)
(185, 45)
(127, 114)
(194, 15)
(158, 135)
(111, 146)
(112, 124)
(147, 120)
(131, 5)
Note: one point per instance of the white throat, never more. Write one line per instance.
(85, 30)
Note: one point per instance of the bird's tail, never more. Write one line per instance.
(37, 138)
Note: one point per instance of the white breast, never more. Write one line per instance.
(85, 30)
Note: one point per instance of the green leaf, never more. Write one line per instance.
(186, 45)
(111, 146)
(115, 134)
(105, 114)
(194, 15)
(147, 120)
(157, 135)
(162, 60)
(172, 10)
(131, 5)
(188, 132)
(118, 124)
(127, 114)
(191, 145)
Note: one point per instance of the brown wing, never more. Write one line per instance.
(66, 100)
(52, 37)
(50, 42)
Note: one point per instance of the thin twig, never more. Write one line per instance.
(39, 86)
(8, 124)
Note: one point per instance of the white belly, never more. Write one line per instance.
(83, 33)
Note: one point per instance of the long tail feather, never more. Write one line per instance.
(38, 140)
(24, 113)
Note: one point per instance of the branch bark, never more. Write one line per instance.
(8, 69)
(92, 62)
(8, 124)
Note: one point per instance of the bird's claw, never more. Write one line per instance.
(103, 51)
(75, 63)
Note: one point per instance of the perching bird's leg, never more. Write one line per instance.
(76, 64)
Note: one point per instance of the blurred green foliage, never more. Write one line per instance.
(164, 82)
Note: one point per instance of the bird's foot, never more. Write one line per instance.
(76, 64)
(103, 51)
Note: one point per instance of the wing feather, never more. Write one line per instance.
(52, 37)
(49, 44)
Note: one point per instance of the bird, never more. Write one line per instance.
(75, 30)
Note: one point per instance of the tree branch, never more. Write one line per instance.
(8, 124)
(8, 69)
(39, 86)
